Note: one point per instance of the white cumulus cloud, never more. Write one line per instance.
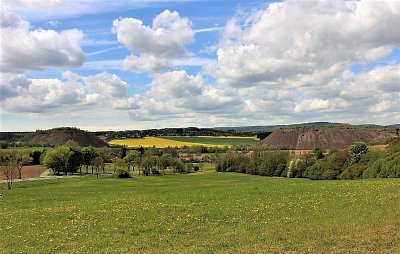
(302, 43)
(23, 50)
(151, 47)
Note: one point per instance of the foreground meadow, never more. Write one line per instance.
(201, 213)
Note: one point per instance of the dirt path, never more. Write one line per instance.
(41, 178)
(45, 173)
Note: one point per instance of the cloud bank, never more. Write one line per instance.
(290, 62)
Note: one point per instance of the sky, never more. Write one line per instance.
(119, 64)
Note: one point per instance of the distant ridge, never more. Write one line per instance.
(271, 128)
(327, 137)
(59, 136)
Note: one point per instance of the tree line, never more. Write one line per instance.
(71, 158)
(356, 162)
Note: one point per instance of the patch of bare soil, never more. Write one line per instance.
(28, 171)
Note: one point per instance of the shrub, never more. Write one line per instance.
(390, 166)
(358, 170)
(394, 145)
(318, 154)
(354, 171)
(328, 168)
(315, 171)
(121, 173)
(297, 166)
(373, 170)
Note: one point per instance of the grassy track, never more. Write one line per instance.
(221, 141)
(201, 213)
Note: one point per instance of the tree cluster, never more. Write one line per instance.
(265, 163)
(70, 158)
(353, 163)
(148, 164)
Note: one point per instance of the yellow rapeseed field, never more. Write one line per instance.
(244, 137)
(153, 142)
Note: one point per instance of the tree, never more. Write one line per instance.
(89, 153)
(98, 163)
(318, 153)
(22, 159)
(36, 157)
(141, 151)
(9, 167)
(120, 169)
(122, 152)
(328, 168)
(356, 152)
(147, 164)
(56, 159)
(132, 158)
(179, 166)
(165, 161)
(75, 157)
(105, 153)
(66, 158)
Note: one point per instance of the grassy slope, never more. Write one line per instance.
(228, 141)
(201, 213)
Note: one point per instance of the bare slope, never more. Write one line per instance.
(305, 138)
(60, 136)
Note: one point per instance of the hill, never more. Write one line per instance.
(271, 128)
(59, 136)
(326, 137)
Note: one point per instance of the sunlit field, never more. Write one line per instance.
(217, 140)
(173, 141)
(151, 142)
(201, 213)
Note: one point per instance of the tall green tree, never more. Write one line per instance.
(66, 158)
(98, 163)
(166, 160)
(356, 152)
(120, 169)
(56, 159)
(147, 163)
(88, 153)
(131, 159)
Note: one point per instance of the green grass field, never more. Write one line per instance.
(25, 149)
(224, 141)
(201, 213)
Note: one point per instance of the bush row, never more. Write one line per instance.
(356, 162)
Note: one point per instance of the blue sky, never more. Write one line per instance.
(101, 44)
(118, 65)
